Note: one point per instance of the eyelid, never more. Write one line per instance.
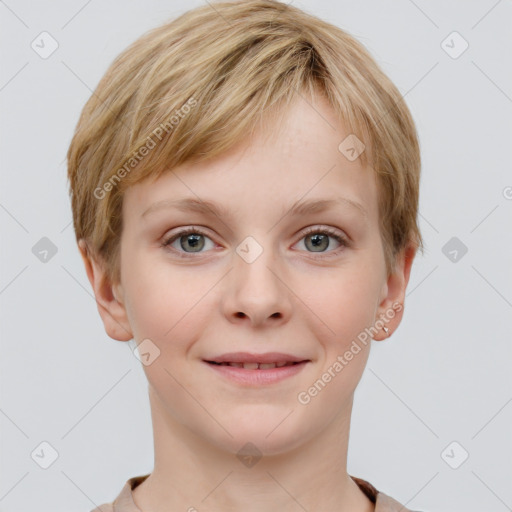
(169, 239)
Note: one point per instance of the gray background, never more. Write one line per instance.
(444, 375)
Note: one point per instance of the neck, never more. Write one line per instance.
(194, 475)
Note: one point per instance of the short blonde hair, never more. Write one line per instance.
(195, 86)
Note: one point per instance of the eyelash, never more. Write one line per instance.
(324, 231)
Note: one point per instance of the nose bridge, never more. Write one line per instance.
(254, 262)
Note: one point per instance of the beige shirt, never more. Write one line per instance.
(124, 502)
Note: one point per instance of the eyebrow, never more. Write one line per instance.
(208, 207)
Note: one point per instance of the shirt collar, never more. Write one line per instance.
(383, 503)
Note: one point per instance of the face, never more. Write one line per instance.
(254, 274)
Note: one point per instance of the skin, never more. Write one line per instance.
(293, 298)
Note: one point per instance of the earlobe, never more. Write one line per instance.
(112, 312)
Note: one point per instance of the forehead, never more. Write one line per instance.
(296, 157)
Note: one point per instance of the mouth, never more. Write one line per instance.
(257, 366)
(255, 370)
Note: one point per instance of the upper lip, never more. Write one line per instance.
(246, 357)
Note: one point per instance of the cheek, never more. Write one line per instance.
(162, 302)
(347, 308)
(344, 302)
(332, 391)
(171, 322)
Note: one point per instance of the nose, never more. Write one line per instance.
(255, 290)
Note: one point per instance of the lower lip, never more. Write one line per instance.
(257, 377)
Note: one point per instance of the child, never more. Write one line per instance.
(272, 143)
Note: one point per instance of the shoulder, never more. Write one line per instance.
(383, 502)
(106, 507)
(386, 503)
(124, 501)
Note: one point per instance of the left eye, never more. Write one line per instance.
(192, 240)
(319, 239)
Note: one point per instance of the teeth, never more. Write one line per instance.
(250, 366)
(266, 366)
(260, 366)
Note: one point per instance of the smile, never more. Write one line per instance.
(255, 374)
(256, 366)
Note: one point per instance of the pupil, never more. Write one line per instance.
(317, 240)
(194, 241)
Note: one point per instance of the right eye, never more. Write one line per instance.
(190, 238)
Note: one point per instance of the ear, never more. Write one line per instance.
(391, 307)
(112, 311)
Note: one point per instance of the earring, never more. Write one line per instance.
(386, 330)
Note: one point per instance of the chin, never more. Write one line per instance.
(271, 434)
